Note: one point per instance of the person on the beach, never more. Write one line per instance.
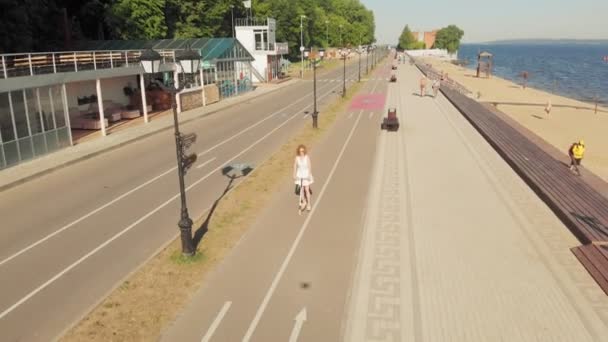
(422, 86)
(576, 153)
(548, 107)
(435, 86)
(302, 175)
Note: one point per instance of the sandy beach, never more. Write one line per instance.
(568, 121)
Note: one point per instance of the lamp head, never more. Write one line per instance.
(150, 61)
(189, 60)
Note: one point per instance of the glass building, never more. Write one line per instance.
(32, 123)
(45, 98)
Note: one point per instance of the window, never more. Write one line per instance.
(6, 123)
(19, 113)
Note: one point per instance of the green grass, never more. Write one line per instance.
(182, 260)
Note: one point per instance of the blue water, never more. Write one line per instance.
(573, 70)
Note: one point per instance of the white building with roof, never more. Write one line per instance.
(258, 36)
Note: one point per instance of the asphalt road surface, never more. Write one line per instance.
(68, 238)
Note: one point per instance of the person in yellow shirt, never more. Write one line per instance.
(576, 153)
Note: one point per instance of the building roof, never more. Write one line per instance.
(210, 48)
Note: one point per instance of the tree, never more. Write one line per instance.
(406, 39)
(139, 19)
(449, 38)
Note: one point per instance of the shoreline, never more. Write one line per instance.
(601, 103)
(569, 119)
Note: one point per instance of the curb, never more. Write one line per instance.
(130, 141)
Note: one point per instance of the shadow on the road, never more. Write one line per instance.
(538, 117)
(232, 174)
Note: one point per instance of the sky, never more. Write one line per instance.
(489, 20)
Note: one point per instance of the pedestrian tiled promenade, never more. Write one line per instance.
(457, 248)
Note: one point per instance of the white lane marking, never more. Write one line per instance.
(134, 224)
(304, 116)
(297, 327)
(95, 211)
(205, 163)
(67, 269)
(216, 322)
(279, 275)
(371, 115)
(84, 217)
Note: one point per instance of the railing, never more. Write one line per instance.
(30, 64)
(254, 22)
(265, 46)
(431, 73)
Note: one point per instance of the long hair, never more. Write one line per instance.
(301, 147)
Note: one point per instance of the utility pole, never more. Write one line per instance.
(315, 112)
(327, 32)
(302, 43)
(359, 64)
(232, 12)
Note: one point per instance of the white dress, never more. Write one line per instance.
(303, 174)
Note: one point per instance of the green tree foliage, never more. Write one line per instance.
(449, 38)
(139, 19)
(407, 41)
(327, 22)
(38, 25)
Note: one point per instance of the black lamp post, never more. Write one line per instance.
(359, 52)
(367, 60)
(344, 53)
(189, 62)
(315, 113)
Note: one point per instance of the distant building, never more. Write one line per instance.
(427, 37)
(257, 35)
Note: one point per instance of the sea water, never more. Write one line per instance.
(569, 69)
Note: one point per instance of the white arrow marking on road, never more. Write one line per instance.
(205, 163)
(350, 115)
(216, 322)
(300, 319)
(371, 114)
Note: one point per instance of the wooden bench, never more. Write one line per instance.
(580, 207)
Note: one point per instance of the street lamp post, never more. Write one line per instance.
(367, 60)
(189, 62)
(341, 45)
(302, 43)
(232, 12)
(315, 112)
(344, 53)
(359, 52)
(327, 31)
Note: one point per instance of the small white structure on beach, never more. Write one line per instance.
(258, 36)
(436, 53)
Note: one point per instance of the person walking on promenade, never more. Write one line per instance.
(302, 174)
(436, 85)
(422, 86)
(576, 153)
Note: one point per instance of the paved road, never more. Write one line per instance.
(421, 235)
(63, 234)
(292, 263)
